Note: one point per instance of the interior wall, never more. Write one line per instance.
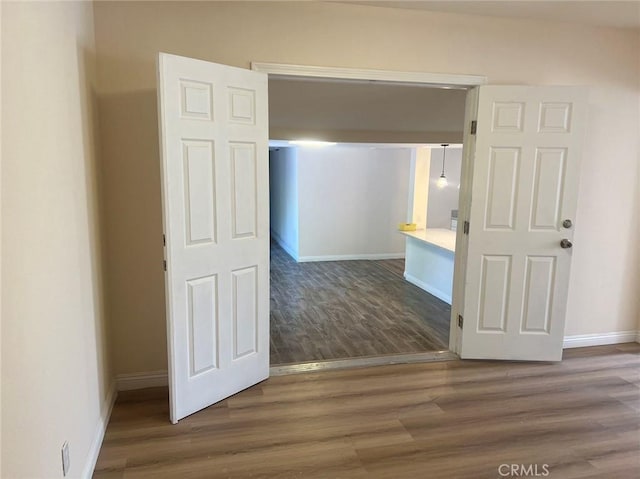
(55, 368)
(637, 201)
(351, 199)
(364, 112)
(283, 198)
(604, 282)
(0, 246)
(442, 200)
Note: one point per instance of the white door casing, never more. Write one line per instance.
(525, 183)
(214, 145)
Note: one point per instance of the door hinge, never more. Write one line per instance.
(474, 127)
(465, 228)
(164, 264)
(460, 321)
(164, 240)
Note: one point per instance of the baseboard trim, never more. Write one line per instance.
(428, 288)
(350, 257)
(98, 437)
(290, 250)
(129, 382)
(602, 339)
(151, 379)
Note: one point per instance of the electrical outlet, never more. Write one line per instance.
(66, 461)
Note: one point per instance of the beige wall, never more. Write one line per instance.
(1, 3)
(604, 285)
(637, 201)
(55, 372)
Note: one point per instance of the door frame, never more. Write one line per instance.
(426, 79)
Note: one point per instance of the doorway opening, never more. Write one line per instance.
(336, 293)
(341, 287)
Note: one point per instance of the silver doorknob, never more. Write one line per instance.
(565, 243)
(567, 224)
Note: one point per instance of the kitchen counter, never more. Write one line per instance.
(445, 239)
(429, 261)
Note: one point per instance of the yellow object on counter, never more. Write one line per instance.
(407, 226)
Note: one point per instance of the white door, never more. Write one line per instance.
(214, 147)
(525, 183)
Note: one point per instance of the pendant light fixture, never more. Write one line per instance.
(442, 181)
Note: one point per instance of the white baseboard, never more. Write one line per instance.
(289, 249)
(151, 379)
(428, 288)
(584, 340)
(128, 382)
(98, 437)
(350, 257)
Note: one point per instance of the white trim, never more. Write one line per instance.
(584, 340)
(98, 437)
(439, 79)
(289, 249)
(151, 379)
(350, 257)
(428, 288)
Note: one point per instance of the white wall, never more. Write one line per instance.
(283, 198)
(442, 200)
(351, 200)
(55, 370)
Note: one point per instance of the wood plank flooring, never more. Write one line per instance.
(455, 419)
(348, 309)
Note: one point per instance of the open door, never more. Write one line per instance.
(524, 193)
(214, 147)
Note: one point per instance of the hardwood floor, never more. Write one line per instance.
(348, 309)
(455, 419)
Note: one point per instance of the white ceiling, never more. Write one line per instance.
(619, 14)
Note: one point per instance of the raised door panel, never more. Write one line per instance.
(244, 190)
(554, 117)
(494, 293)
(245, 311)
(538, 294)
(242, 106)
(202, 315)
(508, 117)
(549, 172)
(196, 100)
(502, 188)
(199, 192)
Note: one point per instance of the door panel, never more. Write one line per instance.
(549, 173)
(525, 181)
(502, 191)
(214, 143)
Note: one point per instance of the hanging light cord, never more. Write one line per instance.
(444, 153)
